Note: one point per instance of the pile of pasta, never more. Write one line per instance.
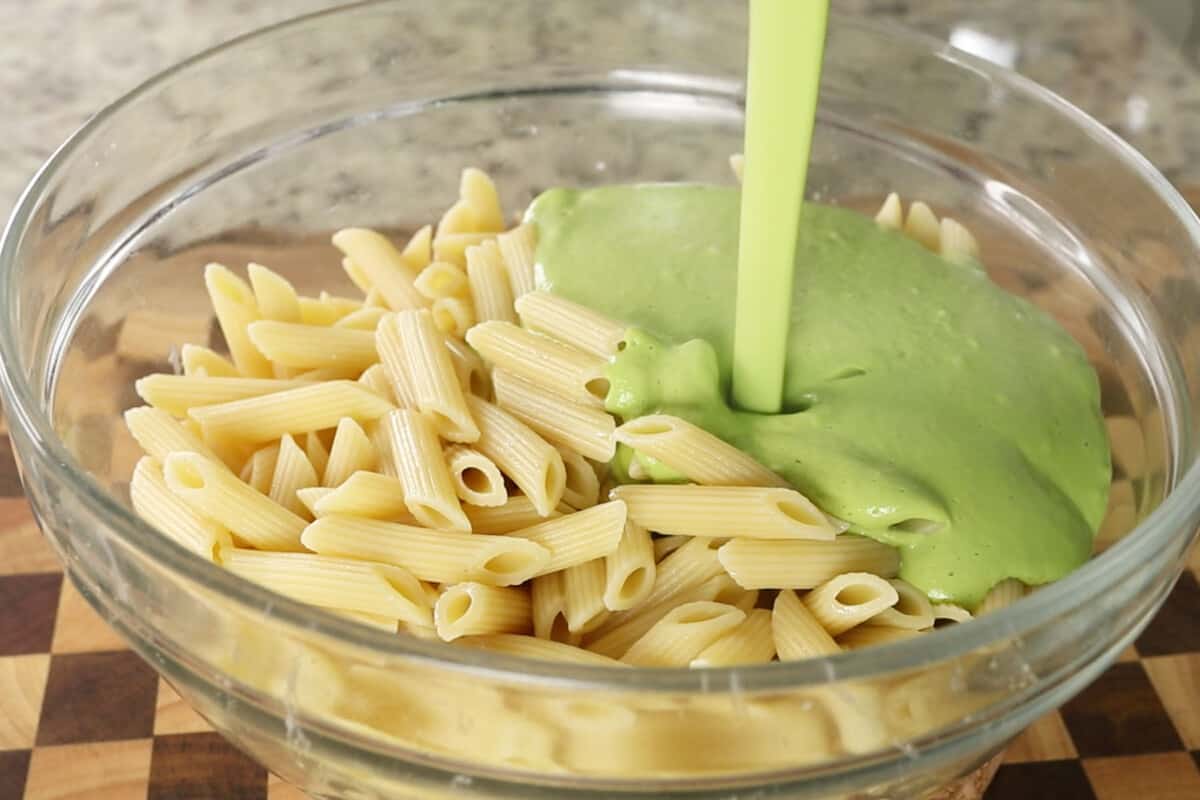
(432, 459)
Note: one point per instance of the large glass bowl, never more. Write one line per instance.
(364, 116)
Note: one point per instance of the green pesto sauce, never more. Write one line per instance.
(917, 394)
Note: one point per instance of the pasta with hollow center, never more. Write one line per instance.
(434, 460)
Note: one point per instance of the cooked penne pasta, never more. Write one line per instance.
(316, 449)
(366, 494)
(549, 608)
(308, 408)
(376, 379)
(583, 428)
(575, 538)
(665, 545)
(475, 609)
(622, 629)
(293, 471)
(382, 264)
(351, 452)
(581, 489)
(453, 316)
(849, 599)
(798, 634)
(326, 309)
(921, 225)
(442, 279)
(477, 192)
(517, 249)
(365, 319)
(393, 358)
(432, 378)
(538, 648)
(418, 251)
(950, 613)
(957, 244)
(276, 297)
(681, 635)
(160, 434)
(435, 556)
(300, 346)
(694, 452)
(177, 394)
(357, 275)
(311, 496)
(517, 512)
(573, 374)
(802, 564)
(235, 307)
(583, 596)
(912, 609)
(570, 323)
(163, 509)
(389, 624)
(428, 488)
(751, 642)
(259, 469)
(488, 284)
(630, 570)
(532, 464)
(1002, 595)
(322, 374)
(472, 372)
(477, 479)
(872, 635)
(753, 512)
(891, 213)
(452, 247)
(217, 494)
(194, 357)
(335, 583)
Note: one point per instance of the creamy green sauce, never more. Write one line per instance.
(922, 404)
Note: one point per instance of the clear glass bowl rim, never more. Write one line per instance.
(1173, 518)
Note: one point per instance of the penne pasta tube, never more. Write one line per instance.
(418, 251)
(532, 464)
(383, 623)
(194, 357)
(428, 488)
(442, 279)
(452, 247)
(308, 408)
(432, 377)
(583, 428)
(573, 539)
(394, 361)
(488, 284)
(357, 275)
(581, 488)
(293, 471)
(474, 609)
(572, 374)
(323, 374)
(351, 452)
(737, 165)
(681, 635)
(665, 545)
(694, 452)
(753, 512)
(178, 394)
(317, 452)
(583, 596)
(872, 635)
(921, 225)
(453, 316)
(335, 583)
(803, 564)
(751, 642)
(376, 379)
(1002, 595)
(957, 244)
(235, 307)
(848, 600)
(366, 318)
(160, 434)
(366, 494)
(517, 512)
(311, 496)
(798, 634)
(570, 323)
(215, 493)
(175, 519)
(517, 250)
(300, 346)
(539, 649)
(472, 372)
(950, 613)
(912, 609)
(477, 192)
(630, 570)
(382, 264)
(621, 630)
(276, 297)
(477, 479)
(326, 309)
(549, 608)
(259, 469)
(891, 213)
(435, 556)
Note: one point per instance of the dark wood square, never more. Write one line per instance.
(200, 766)
(97, 697)
(14, 767)
(1176, 627)
(1041, 780)
(1120, 715)
(29, 603)
(10, 479)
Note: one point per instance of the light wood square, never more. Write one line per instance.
(74, 772)
(172, 714)
(79, 629)
(22, 684)
(1177, 681)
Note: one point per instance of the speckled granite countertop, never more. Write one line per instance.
(1125, 62)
